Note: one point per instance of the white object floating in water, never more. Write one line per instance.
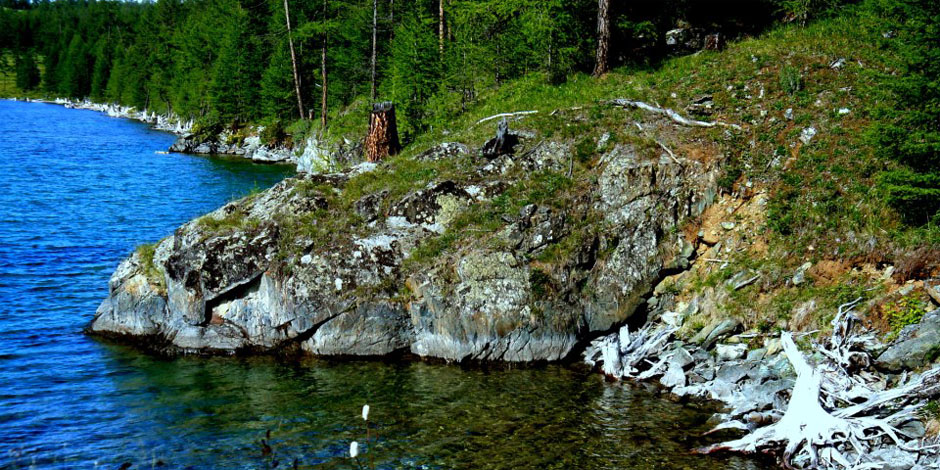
(353, 449)
(365, 412)
(162, 152)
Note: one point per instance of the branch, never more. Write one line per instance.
(625, 103)
(497, 116)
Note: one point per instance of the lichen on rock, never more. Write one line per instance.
(508, 259)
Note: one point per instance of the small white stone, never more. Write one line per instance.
(730, 352)
(807, 135)
(338, 283)
(844, 111)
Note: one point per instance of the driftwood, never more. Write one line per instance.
(630, 355)
(382, 140)
(506, 115)
(835, 417)
(676, 117)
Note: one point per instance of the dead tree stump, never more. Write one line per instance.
(503, 143)
(382, 140)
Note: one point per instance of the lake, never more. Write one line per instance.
(80, 190)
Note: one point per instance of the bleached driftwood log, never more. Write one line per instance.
(676, 117)
(825, 425)
(505, 115)
(626, 355)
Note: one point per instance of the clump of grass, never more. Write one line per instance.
(931, 410)
(235, 220)
(149, 267)
(907, 310)
(540, 283)
(791, 80)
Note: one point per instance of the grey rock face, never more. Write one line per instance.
(444, 151)
(243, 279)
(251, 148)
(917, 345)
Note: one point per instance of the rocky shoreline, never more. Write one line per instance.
(311, 155)
(319, 265)
(251, 277)
(757, 386)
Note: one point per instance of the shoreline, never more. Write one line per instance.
(306, 157)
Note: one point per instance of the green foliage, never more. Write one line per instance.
(274, 133)
(791, 80)
(916, 195)
(150, 269)
(931, 410)
(540, 283)
(909, 133)
(907, 310)
(236, 219)
(803, 10)
(27, 72)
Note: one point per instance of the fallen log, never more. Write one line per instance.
(506, 115)
(627, 355)
(676, 117)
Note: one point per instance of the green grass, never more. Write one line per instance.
(907, 310)
(8, 88)
(238, 219)
(820, 193)
(821, 198)
(150, 269)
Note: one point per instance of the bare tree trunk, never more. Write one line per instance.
(375, 27)
(382, 140)
(603, 37)
(293, 60)
(323, 109)
(441, 26)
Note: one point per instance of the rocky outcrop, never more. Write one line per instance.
(222, 144)
(916, 346)
(269, 272)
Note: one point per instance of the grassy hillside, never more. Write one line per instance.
(786, 200)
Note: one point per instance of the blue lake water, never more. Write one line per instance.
(79, 190)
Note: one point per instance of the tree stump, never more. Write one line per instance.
(503, 143)
(382, 140)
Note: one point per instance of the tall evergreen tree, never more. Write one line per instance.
(27, 72)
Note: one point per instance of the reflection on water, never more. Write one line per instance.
(80, 190)
(215, 411)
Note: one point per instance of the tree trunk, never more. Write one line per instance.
(382, 140)
(323, 108)
(293, 60)
(375, 27)
(603, 37)
(441, 27)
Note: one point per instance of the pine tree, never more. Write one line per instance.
(101, 70)
(27, 72)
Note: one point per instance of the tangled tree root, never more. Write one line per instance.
(835, 419)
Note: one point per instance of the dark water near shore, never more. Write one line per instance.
(81, 190)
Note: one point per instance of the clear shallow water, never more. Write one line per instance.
(81, 190)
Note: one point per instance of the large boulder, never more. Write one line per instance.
(272, 272)
(916, 346)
